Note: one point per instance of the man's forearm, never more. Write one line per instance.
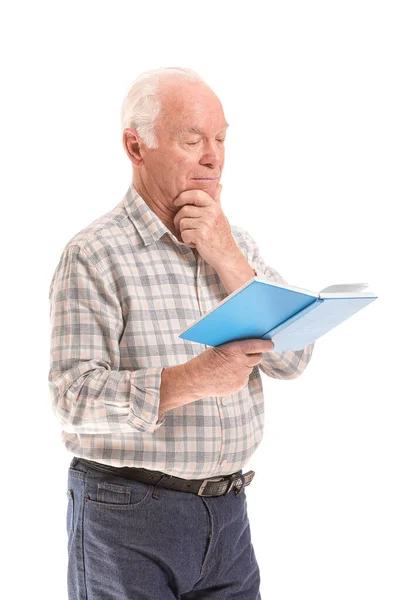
(178, 387)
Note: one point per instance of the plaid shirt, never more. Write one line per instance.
(123, 289)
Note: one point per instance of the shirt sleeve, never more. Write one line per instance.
(278, 365)
(89, 393)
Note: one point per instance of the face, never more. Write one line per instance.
(191, 133)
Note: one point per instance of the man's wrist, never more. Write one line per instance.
(235, 272)
(178, 387)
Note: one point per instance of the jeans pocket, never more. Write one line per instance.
(110, 494)
(70, 512)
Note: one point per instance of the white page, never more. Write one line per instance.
(345, 287)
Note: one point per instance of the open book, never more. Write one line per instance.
(290, 316)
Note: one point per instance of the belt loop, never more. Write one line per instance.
(155, 494)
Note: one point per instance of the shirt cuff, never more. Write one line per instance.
(145, 399)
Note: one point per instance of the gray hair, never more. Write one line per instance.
(142, 103)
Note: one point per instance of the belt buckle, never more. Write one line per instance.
(237, 481)
(203, 485)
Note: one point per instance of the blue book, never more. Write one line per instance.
(290, 316)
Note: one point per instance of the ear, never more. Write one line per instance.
(133, 146)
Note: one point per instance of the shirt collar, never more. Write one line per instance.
(149, 225)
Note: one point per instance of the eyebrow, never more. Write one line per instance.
(196, 130)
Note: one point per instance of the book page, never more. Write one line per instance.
(345, 287)
(314, 321)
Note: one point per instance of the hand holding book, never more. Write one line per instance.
(225, 370)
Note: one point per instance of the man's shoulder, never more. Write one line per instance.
(105, 226)
(101, 236)
(93, 244)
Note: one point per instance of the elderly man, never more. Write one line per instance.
(160, 428)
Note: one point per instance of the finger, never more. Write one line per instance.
(196, 197)
(190, 223)
(251, 352)
(252, 346)
(189, 237)
(253, 359)
(187, 211)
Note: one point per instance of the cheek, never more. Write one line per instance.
(177, 166)
(184, 167)
(171, 167)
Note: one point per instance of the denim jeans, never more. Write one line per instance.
(129, 540)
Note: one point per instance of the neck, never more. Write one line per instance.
(156, 201)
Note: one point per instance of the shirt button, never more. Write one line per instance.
(224, 401)
(224, 463)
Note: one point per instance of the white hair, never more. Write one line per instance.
(142, 103)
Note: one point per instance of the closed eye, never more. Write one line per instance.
(194, 143)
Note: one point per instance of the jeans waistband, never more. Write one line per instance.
(213, 486)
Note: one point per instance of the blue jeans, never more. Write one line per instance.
(129, 540)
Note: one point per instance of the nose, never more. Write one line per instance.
(213, 154)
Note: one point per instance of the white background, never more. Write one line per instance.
(311, 92)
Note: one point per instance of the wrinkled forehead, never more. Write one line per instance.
(188, 109)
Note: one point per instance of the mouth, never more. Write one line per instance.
(205, 178)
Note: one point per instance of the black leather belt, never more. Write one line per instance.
(214, 486)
